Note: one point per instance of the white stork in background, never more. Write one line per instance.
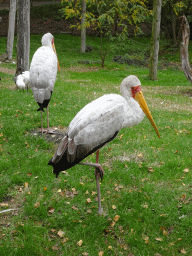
(97, 124)
(43, 72)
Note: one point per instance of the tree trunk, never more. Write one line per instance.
(154, 47)
(83, 27)
(184, 49)
(11, 30)
(173, 21)
(23, 36)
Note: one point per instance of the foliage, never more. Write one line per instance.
(171, 12)
(110, 18)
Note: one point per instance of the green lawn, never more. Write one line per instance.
(146, 191)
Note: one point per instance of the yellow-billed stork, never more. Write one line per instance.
(43, 72)
(97, 124)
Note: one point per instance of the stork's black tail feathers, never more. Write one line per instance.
(41, 108)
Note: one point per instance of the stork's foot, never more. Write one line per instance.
(99, 171)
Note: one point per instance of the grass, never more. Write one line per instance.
(147, 180)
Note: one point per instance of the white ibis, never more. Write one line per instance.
(43, 72)
(22, 80)
(97, 124)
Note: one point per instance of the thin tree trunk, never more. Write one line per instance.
(184, 49)
(173, 21)
(23, 35)
(11, 30)
(154, 47)
(83, 27)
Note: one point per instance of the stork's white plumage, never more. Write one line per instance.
(22, 80)
(43, 72)
(98, 123)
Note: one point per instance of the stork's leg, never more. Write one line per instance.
(48, 119)
(98, 174)
(41, 123)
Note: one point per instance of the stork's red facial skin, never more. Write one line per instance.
(134, 90)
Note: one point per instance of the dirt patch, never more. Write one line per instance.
(55, 136)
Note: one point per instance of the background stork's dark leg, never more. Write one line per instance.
(47, 118)
(41, 123)
(98, 174)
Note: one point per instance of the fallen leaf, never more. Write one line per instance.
(110, 247)
(146, 239)
(59, 191)
(37, 204)
(88, 201)
(116, 218)
(150, 169)
(51, 210)
(159, 239)
(29, 174)
(186, 170)
(80, 242)
(64, 240)
(44, 188)
(85, 253)
(183, 251)
(112, 224)
(165, 233)
(55, 248)
(114, 207)
(74, 208)
(89, 211)
(26, 185)
(64, 172)
(125, 248)
(100, 253)
(145, 206)
(4, 204)
(60, 233)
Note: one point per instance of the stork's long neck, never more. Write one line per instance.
(133, 113)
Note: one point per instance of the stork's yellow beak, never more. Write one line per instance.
(58, 66)
(141, 100)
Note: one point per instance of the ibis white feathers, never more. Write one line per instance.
(98, 123)
(43, 72)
